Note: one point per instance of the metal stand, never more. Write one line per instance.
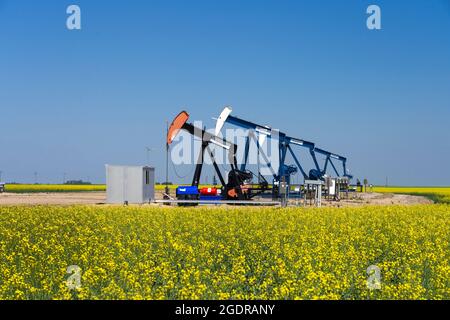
(316, 187)
(283, 192)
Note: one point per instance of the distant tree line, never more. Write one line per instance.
(77, 182)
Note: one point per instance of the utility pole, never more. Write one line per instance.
(386, 181)
(167, 162)
(64, 178)
(35, 177)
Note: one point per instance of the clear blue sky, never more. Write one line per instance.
(72, 101)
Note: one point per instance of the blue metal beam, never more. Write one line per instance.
(305, 176)
(329, 158)
(285, 143)
(246, 150)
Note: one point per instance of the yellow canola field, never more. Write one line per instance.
(438, 194)
(33, 188)
(224, 253)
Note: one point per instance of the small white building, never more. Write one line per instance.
(129, 184)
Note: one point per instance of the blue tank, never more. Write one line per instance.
(187, 190)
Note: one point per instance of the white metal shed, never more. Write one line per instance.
(130, 184)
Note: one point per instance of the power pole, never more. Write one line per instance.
(167, 161)
(35, 177)
(64, 178)
(386, 181)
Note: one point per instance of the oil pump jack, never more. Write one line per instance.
(286, 144)
(239, 185)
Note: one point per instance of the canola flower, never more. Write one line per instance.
(224, 253)
(34, 188)
(437, 194)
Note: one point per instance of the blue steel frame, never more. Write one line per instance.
(285, 144)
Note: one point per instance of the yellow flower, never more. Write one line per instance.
(224, 253)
